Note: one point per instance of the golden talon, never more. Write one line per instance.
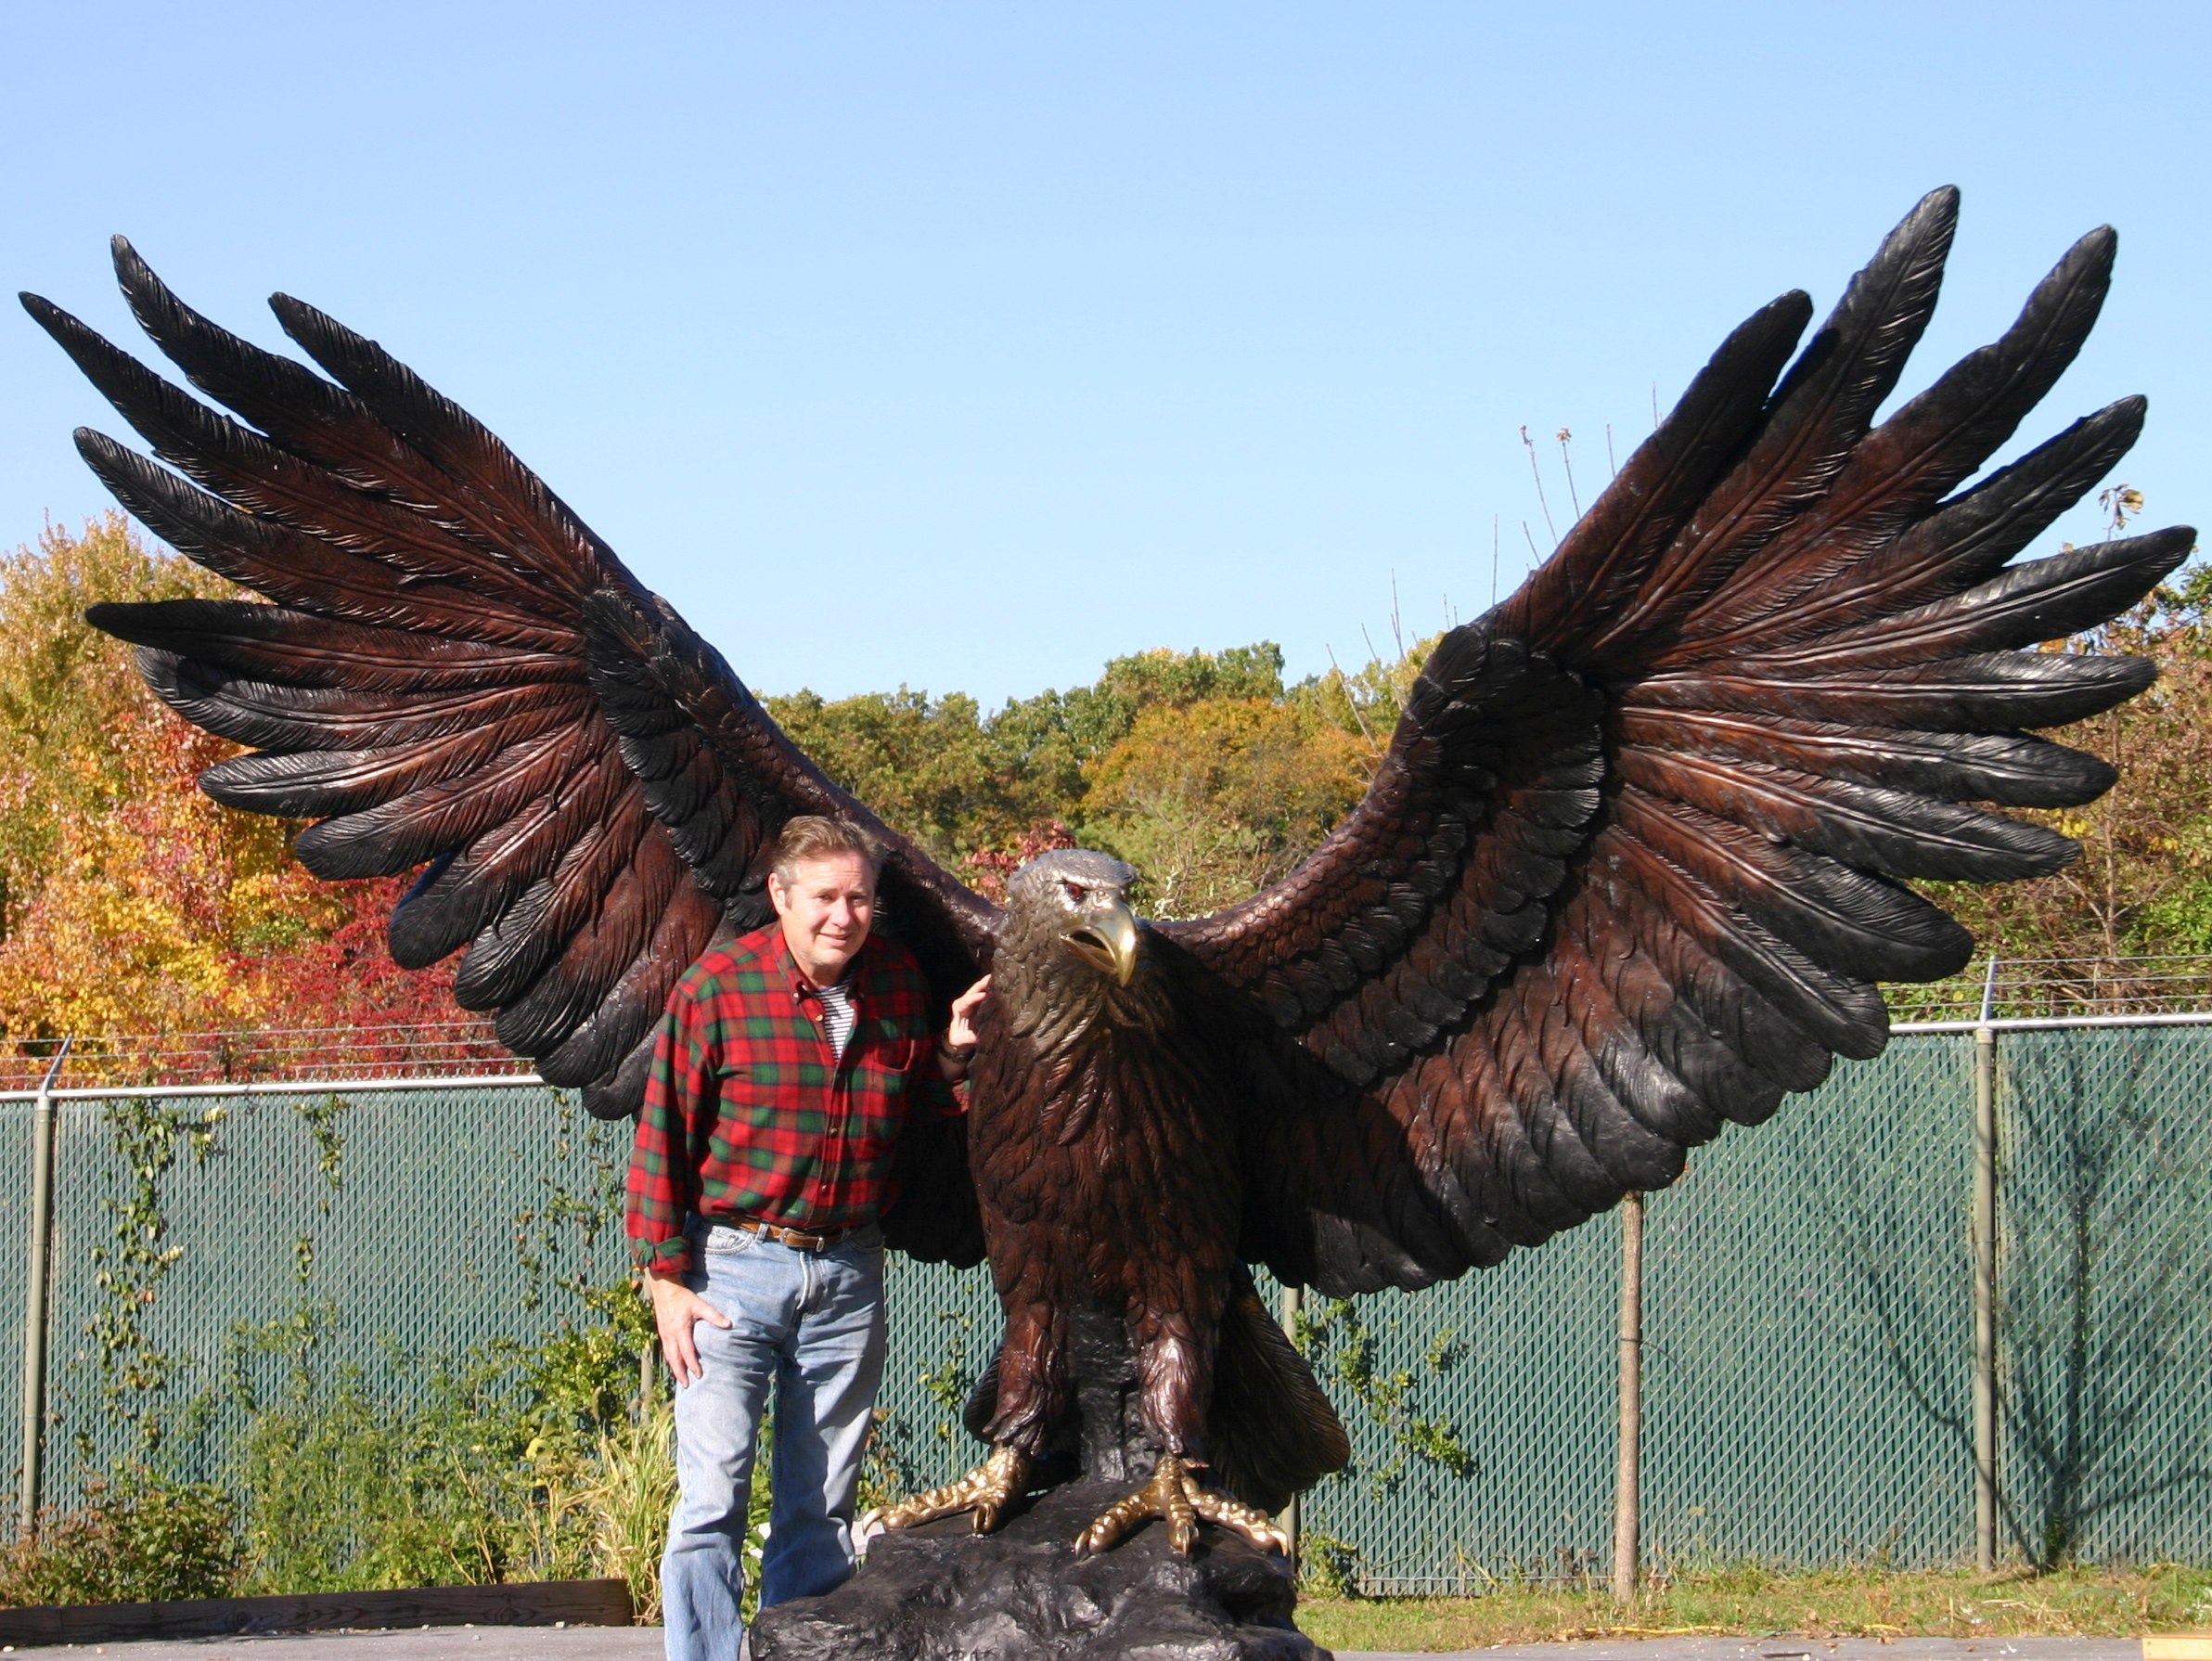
(985, 1491)
(1250, 1521)
(1175, 1497)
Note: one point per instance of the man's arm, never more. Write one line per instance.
(663, 1188)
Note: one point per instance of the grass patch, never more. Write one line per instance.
(1751, 1600)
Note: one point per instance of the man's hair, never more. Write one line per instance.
(811, 836)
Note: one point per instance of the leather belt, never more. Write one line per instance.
(799, 1240)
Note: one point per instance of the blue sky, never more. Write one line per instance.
(964, 346)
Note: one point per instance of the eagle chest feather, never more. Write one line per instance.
(1116, 1138)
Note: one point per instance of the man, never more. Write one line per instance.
(783, 1071)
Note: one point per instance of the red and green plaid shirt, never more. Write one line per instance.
(748, 1112)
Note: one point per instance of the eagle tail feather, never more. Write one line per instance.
(1270, 1430)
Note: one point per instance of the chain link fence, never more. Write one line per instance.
(1808, 1338)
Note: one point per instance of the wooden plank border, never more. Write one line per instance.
(535, 1604)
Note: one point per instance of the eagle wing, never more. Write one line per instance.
(1634, 863)
(453, 674)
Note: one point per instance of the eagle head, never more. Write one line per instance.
(1081, 900)
(1072, 965)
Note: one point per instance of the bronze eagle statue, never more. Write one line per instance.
(1632, 869)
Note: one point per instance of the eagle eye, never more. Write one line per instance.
(1075, 891)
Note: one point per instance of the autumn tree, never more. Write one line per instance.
(135, 904)
(1215, 800)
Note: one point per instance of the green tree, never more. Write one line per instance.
(928, 766)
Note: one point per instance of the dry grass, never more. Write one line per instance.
(1755, 1600)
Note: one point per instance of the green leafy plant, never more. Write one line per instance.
(138, 1537)
(1339, 1345)
(1328, 1567)
(130, 1265)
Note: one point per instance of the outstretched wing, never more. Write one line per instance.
(454, 675)
(1632, 867)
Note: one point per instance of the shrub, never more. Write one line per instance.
(139, 1538)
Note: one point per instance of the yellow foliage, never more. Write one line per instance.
(1214, 800)
(132, 902)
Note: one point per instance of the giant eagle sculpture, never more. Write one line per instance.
(1632, 870)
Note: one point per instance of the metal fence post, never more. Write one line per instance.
(1627, 1494)
(1294, 1304)
(34, 1293)
(1984, 1282)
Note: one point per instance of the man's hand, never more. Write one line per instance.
(960, 1036)
(677, 1309)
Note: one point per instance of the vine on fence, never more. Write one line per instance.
(130, 1265)
(1341, 1346)
(1338, 1342)
(575, 1213)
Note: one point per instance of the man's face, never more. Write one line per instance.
(825, 909)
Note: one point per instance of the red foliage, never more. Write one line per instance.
(986, 869)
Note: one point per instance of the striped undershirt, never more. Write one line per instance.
(837, 1014)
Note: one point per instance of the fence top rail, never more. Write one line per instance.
(2044, 1024)
(463, 1081)
(292, 1087)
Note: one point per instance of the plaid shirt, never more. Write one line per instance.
(749, 1111)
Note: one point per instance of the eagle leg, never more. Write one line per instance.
(984, 1493)
(1175, 1497)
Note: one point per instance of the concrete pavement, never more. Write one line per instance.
(643, 1643)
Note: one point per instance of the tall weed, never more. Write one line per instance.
(493, 1470)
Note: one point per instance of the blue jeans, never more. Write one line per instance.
(812, 1324)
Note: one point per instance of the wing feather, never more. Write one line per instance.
(272, 716)
(1987, 692)
(455, 674)
(1633, 866)
(2013, 769)
(1866, 826)
(472, 763)
(297, 649)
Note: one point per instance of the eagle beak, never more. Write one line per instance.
(1107, 940)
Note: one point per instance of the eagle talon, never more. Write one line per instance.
(1175, 1498)
(984, 1492)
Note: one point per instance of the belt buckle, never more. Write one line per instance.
(799, 1240)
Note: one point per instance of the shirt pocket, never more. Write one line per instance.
(877, 1095)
